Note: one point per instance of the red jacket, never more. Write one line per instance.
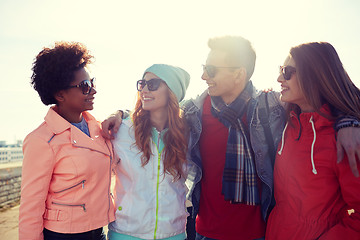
(312, 191)
(65, 179)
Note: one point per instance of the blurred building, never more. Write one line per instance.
(11, 152)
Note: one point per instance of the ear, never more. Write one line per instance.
(241, 74)
(59, 96)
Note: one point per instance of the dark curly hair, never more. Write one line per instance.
(54, 68)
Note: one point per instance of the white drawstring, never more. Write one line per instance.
(312, 146)
(282, 139)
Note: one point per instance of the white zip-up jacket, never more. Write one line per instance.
(149, 205)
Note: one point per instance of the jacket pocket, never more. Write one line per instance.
(55, 215)
(82, 183)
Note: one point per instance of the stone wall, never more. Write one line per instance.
(10, 183)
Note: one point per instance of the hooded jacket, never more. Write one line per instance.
(65, 179)
(312, 191)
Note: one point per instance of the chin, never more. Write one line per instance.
(89, 108)
(283, 99)
(144, 106)
(212, 93)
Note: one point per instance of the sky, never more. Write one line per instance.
(126, 37)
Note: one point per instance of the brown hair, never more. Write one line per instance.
(323, 79)
(175, 139)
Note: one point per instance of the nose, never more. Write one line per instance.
(280, 78)
(205, 76)
(145, 88)
(93, 91)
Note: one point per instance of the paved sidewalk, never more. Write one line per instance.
(9, 219)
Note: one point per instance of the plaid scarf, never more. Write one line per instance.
(239, 184)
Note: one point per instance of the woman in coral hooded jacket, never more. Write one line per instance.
(65, 190)
(313, 193)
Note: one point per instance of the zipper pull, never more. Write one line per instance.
(83, 206)
(83, 184)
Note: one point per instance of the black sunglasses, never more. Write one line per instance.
(86, 86)
(211, 69)
(152, 84)
(287, 71)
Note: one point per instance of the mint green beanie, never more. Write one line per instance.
(176, 78)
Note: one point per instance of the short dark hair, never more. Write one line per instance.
(239, 51)
(54, 68)
(324, 80)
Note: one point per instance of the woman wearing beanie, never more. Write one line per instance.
(150, 175)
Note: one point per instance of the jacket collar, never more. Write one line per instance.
(58, 124)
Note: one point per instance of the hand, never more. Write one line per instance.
(111, 125)
(348, 139)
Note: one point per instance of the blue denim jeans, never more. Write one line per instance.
(96, 234)
(200, 237)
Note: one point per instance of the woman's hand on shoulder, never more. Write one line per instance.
(348, 141)
(111, 125)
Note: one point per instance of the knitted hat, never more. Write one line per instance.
(176, 78)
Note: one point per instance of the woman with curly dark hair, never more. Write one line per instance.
(152, 144)
(65, 189)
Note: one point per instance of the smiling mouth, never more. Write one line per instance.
(147, 98)
(211, 84)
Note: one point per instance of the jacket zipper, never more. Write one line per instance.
(82, 182)
(71, 205)
(109, 186)
(157, 186)
(83, 205)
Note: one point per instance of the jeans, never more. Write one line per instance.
(190, 226)
(200, 237)
(96, 234)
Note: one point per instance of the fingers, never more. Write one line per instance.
(353, 166)
(105, 129)
(352, 161)
(116, 122)
(111, 125)
(340, 152)
(116, 126)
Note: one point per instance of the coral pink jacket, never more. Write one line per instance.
(66, 179)
(312, 191)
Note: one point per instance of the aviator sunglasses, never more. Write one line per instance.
(211, 70)
(152, 84)
(287, 71)
(86, 86)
